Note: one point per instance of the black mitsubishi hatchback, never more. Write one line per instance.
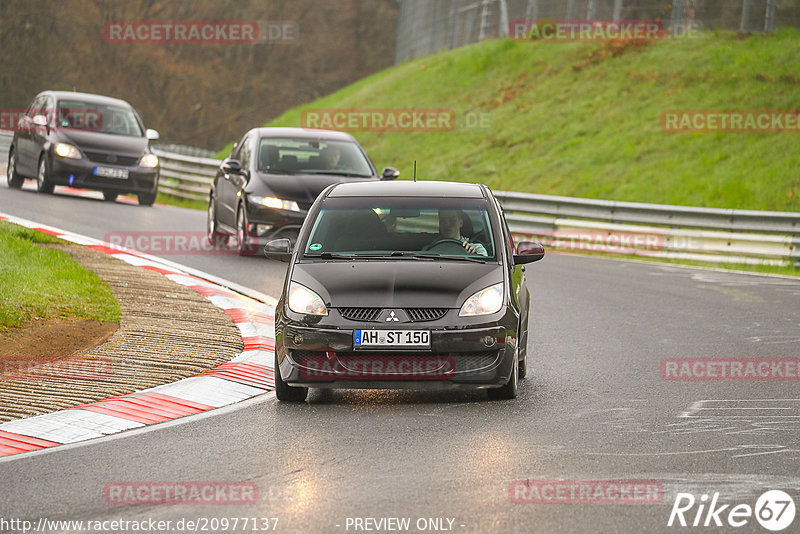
(84, 141)
(403, 285)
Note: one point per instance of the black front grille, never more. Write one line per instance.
(425, 314)
(360, 314)
(416, 315)
(114, 159)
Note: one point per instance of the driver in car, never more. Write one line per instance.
(450, 223)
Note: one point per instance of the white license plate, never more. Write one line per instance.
(111, 172)
(391, 338)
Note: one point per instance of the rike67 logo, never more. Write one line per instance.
(774, 510)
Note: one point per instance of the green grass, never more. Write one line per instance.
(37, 282)
(170, 200)
(584, 119)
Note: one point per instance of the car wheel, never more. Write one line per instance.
(242, 241)
(213, 235)
(147, 199)
(509, 390)
(523, 354)
(109, 196)
(286, 393)
(15, 180)
(43, 184)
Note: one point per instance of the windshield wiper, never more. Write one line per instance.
(341, 173)
(433, 256)
(331, 256)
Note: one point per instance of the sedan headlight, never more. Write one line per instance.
(149, 160)
(484, 302)
(277, 203)
(65, 150)
(303, 300)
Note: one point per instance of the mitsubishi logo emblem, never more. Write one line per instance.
(392, 317)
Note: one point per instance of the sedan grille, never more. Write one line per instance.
(115, 159)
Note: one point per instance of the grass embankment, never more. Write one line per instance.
(584, 119)
(41, 283)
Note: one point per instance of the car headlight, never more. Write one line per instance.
(277, 203)
(303, 300)
(149, 160)
(484, 302)
(65, 150)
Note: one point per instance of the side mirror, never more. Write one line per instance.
(232, 166)
(528, 252)
(389, 173)
(278, 249)
(40, 120)
(152, 135)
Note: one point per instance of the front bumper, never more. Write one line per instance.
(80, 173)
(458, 358)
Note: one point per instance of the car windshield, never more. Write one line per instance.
(115, 120)
(402, 227)
(312, 156)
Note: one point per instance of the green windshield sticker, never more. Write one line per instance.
(315, 246)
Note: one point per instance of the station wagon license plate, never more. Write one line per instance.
(391, 338)
(111, 172)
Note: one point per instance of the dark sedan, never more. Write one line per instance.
(264, 189)
(403, 285)
(84, 141)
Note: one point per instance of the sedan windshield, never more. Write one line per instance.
(312, 156)
(76, 115)
(402, 228)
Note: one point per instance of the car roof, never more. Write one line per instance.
(87, 97)
(407, 188)
(304, 133)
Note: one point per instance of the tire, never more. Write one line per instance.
(244, 248)
(213, 234)
(109, 196)
(509, 390)
(147, 199)
(286, 393)
(15, 180)
(43, 184)
(523, 354)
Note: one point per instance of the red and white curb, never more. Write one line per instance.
(247, 375)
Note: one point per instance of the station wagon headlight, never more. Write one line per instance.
(149, 160)
(484, 302)
(277, 203)
(65, 150)
(303, 300)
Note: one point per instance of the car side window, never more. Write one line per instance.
(245, 153)
(36, 107)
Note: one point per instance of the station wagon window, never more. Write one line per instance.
(401, 226)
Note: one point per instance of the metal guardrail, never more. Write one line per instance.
(655, 230)
(186, 177)
(587, 225)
